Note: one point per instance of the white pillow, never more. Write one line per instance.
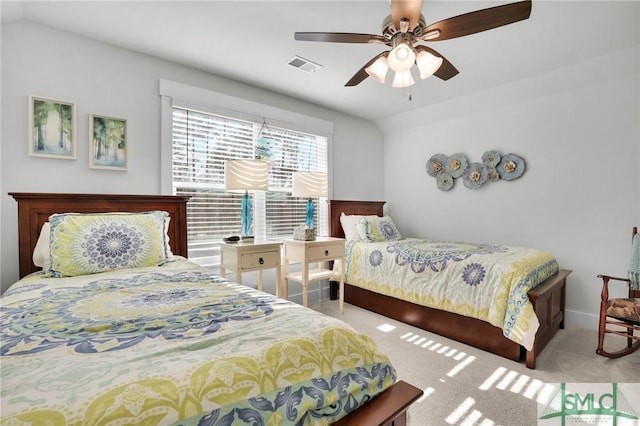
(41, 251)
(350, 225)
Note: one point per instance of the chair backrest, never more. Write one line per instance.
(634, 293)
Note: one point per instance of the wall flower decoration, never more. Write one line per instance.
(435, 165)
(475, 176)
(491, 159)
(494, 167)
(511, 167)
(492, 174)
(456, 165)
(444, 182)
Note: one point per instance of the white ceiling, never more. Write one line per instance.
(252, 41)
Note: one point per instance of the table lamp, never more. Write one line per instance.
(245, 176)
(312, 185)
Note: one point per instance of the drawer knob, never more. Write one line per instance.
(326, 252)
(261, 261)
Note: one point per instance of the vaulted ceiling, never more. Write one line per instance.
(252, 42)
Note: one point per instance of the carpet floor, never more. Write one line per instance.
(466, 386)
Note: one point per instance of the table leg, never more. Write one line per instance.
(260, 279)
(222, 268)
(285, 281)
(305, 283)
(341, 289)
(278, 278)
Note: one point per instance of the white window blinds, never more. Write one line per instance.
(202, 142)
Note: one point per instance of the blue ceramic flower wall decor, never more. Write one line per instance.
(493, 167)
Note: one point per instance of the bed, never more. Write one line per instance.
(544, 298)
(94, 341)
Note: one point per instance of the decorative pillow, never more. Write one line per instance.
(377, 229)
(41, 250)
(350, 225)
(82, 244)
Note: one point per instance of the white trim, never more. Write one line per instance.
(243, 109)
(581, 320)
(173, 93)
(166, 146)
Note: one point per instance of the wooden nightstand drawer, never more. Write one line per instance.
(269, 259)
(327, 252)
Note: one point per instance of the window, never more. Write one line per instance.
(202, 142)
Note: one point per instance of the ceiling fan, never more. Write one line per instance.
(406, 33)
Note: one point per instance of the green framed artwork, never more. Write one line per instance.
(52, 128)
(108, 143)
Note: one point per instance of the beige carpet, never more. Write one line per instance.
(466, 386)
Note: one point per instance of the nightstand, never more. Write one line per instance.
(320, 250)
(245, 257)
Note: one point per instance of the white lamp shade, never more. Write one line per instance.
(403, 79)
(246, 175)
(401, 58)
(309, 184)
(378, 70)
(428, 63)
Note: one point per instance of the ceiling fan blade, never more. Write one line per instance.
(480, 20)
(340, 37)
(361, 75)
(446, 70)
(406, 9)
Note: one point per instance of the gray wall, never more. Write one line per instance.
(577, 128)
(578, 131)
(110, 81)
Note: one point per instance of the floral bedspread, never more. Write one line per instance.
(487, 282)
(173, 344)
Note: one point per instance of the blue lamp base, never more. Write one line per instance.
(310, 213)
(246, 216)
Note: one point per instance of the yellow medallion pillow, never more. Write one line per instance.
(90, 243)
(378, 229)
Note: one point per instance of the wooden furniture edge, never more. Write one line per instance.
(548, 299)
(34, 210)
(467, 330)
(388, 408)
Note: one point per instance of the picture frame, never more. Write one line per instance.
(52, 128)
(108, 148)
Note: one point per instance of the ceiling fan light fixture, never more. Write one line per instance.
(403, 79)
(428, 63)
(401, 58)
(378, 69)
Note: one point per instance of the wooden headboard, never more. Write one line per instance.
(34, 210)
(337, 207)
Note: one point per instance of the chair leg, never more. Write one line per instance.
(633, 342)
(602, 325)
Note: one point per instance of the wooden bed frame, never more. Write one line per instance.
(386, 409)
(548, 300)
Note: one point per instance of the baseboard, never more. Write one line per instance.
(580, 319)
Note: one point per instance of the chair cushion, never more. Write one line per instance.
(624, 309)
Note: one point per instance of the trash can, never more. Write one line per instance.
(333, 290)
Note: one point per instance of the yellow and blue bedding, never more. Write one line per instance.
(174, 345)
(487, 282)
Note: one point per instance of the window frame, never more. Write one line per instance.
(174, 94)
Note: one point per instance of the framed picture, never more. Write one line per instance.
(108, 143)
(52, 128)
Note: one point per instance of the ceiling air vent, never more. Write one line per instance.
(304, 64)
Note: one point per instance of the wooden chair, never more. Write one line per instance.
(620, 316)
